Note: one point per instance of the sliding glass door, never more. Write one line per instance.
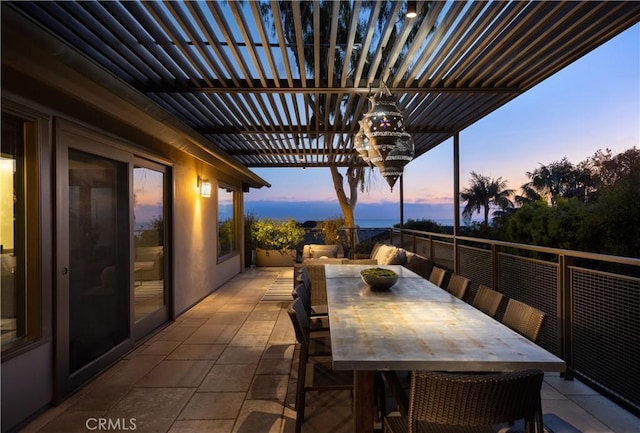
(111, 258)
(98, 232)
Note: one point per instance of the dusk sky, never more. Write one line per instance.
(592, 104)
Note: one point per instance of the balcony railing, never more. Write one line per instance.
(592, 300)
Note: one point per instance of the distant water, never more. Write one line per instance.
(388, 223)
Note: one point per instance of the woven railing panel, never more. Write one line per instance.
(443, 255)
(475, 264)
(423, 247)
(535, 283)
(606, 337)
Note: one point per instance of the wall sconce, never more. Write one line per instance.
(412, 10)
(204, 187)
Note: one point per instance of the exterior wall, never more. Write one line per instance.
(27, 384)
(196, 271)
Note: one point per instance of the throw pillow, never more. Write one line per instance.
(318, 251)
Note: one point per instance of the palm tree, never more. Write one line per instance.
(482, 193)
(558, 179)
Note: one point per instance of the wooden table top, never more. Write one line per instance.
(416, 325)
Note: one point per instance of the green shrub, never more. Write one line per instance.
(280, 235)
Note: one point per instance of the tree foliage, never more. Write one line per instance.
(332, 230)
(558, 179)
(425, 225)
(592, 206)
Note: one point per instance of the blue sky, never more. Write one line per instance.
(592, 104)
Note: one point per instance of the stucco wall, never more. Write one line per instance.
(196, 270)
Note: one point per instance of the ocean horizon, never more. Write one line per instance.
(386, 223)
(367, 215)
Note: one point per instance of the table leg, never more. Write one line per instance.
(363, 397)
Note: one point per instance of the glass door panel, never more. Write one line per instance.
(98, 229)
(148, 239)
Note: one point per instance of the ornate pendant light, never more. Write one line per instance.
(385, 143)
(361, 143)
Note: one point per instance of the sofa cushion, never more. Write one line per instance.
(318, 251)
(390, 255)
(375, 249)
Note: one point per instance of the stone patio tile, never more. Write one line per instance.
(203, 311)
(260, 315)
(568, 413)
(147, 404)
(336, 418)
(256, 341)
(548, 392)
(259, 416)
(227, 319)
(270, 306)
(127, 372)
(269, 387)
(190, 322)
(160, 347)
(176, 333)
(568, 387)
(240, 355)
(102, 398)
(257, 327)
(202, 426)
(213, 405)
(213, 334)
(278, 351)
(142, 425)
(238, 307)
(175, 373)
(274, 366)
(228, 378)
(617, 419)
(197, 351)
(71, 422)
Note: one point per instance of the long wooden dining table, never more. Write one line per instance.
(415, 325)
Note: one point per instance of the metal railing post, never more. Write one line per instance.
(565, 308)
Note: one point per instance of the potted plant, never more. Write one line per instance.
(277, 241)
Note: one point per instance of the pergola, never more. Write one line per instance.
(283, 84)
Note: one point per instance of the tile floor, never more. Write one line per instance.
(228, 366)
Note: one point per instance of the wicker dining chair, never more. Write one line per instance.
(524, 319)
(437, 276)
(313, 375)
(453, 402)
(313, 276)
(487, 300)
(458, 286)
(317, 324)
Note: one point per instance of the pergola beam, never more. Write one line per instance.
(280, 86)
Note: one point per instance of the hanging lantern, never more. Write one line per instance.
(361, 143)
(390, 147)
